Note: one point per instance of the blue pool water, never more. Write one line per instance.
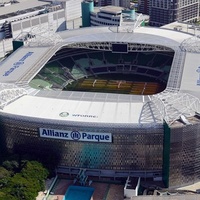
(78, 193)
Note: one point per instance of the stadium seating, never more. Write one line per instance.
(55, 79)
(111, 69)
(142, 70)
(79, 57)
(151, 88)
(120, 68)
(67, 62)
(77, 73)
(128, 57)
(111, 58)
(166, 68)
(100, 70)
(144, 59)
(93, 85)
(83, 62)
(159, 58)
(154, 73)
(96, 55)
(137, 88)
(55, 74)
(100, 83)
(87, 83)
(96, 62)
(71, 64)
(125, 85)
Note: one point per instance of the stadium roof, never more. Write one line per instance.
(191, 74)
(87, 111)
(193, 29)
(142, 35)
(23, 64)
(147, 35)
(19, 63)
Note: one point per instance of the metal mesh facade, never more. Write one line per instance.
(138, 149)
(184, 155)
(131, 148)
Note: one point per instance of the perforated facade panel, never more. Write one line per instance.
(138, 149)
(35, 21)
(44, 19)
(16, 26)
(184, 155)
(26, 24)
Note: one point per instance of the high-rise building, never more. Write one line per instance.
(125, 3)
(104, 2)
(122, 3)
(143, 6)
(166, 11)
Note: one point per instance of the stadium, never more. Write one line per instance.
(116, 101)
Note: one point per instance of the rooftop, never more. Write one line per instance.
(112, 9)
(183, 27)
(22, 7)
(95, 108)
(119, 112)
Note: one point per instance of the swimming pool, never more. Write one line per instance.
(78, 193)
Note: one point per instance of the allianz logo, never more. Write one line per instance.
(75, 135)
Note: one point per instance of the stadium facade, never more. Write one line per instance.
(155, 135)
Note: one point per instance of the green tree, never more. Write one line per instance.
(5, 196)
(4, 176)
(24, 185)
(36, 171)
(10, 165)
(22, 188)
(4, 173)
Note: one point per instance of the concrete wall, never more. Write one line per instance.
(5, 47)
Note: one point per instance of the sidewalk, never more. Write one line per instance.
(192, 187)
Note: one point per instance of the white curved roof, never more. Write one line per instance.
(87, 107)
(144, 35)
